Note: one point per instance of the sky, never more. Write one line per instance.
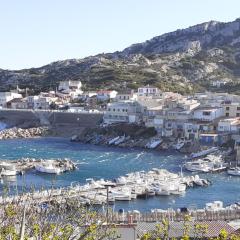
(34, 33)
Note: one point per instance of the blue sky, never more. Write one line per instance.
(35, 33)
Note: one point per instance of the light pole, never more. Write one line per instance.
(107, 185)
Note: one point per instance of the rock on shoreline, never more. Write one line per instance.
(15, 132)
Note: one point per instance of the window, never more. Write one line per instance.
(238, 115)
(206, 113)
(227, 114)
(114, 109)
(238, 108)
(227, 108)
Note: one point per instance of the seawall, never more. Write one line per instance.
(63, 123)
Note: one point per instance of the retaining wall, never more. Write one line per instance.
(52, 118)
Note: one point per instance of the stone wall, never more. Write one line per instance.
(29, 118)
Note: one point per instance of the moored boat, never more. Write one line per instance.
(47, 167)
(204, 152)
(234, 171)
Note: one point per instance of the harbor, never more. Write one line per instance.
(95, 162)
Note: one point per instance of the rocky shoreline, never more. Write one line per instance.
(13, 133)
(134, 136)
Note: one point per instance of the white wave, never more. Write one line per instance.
(122, 157)
(82, 163)
(105, 160)
(139, 155)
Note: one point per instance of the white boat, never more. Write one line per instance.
(7, 169)
(214, 206)
(200, 182)
(179, 144)
(120, 196)
(234, 171)
(47, 167)
(162, 192)
(180, 189)
(112, 141)
(120, 140)
(204, 152)
(197, 166)
(153, 143)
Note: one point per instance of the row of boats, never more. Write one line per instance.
(157, 182)
(152, 144)
(210, 163)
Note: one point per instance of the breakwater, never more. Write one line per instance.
(23, 133)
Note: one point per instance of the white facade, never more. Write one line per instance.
(5, 97)
(188, 105)
(106, 95)
(148, 91)
(126, 96)
(229, 125)
(207, 114)
(71, 88)
(39, 102)
(231, 109)
(191, 130)
(69, 85)
(122, 112)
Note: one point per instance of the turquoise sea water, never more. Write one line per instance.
(109, 163)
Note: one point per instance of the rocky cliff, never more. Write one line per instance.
(184, 60)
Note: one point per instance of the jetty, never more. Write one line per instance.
(21, 166)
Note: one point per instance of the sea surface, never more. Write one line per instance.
(109, 163)
(2, 126)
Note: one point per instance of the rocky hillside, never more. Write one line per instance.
(185, 60)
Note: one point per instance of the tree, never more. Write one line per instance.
(24, 217)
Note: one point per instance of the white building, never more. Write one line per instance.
(231, 125)
(148, 91)
(6, 97)
(118, 112)
(67, 86)
(126, 95)
(231, 109)
(188, 104)
(219, 83)
(207, 113)
(105, 95)
(40, 102)
(70, 88)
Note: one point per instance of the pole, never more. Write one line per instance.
(107, 203)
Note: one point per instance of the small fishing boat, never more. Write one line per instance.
(153, 143)
(47, 167)
(113, 140)
(204, 152)
(120, 140)
(197, 166)
(7, 169)
(234, 171)
(180, 143)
